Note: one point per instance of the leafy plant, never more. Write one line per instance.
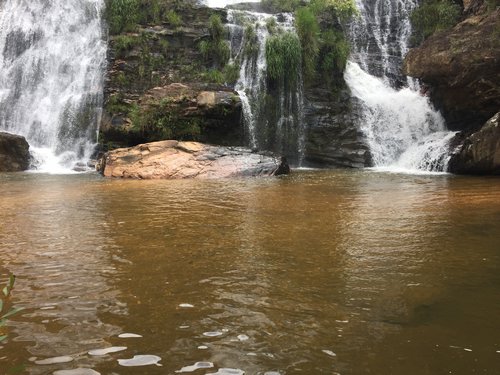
(7, 289)
(216, 48)
(231, 73)
(335, 51)
(276, 6)
(124, 43)
(309, 32)
(122, 15)
(174, 19)
(433, 16)
(283, 55)
(251, 41)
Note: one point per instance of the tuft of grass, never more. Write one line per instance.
(174, 19)
(309, 33)
(283, 55)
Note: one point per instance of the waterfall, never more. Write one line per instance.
(52, 60)
(272, 116)
(403, 130)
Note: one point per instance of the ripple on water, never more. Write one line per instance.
(128, 335)
(196, 366)
(212, 333)
(77, 371)
(140, 360)
(53, 360)
(112, 349)
(227, 371)
(186, 305)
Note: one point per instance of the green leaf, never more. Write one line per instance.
(12, 280)
(3, 338)
(13, 311)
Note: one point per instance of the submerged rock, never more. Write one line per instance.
(479, 152)
(14, 153)
(177, 160)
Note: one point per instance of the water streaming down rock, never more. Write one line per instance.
(403, 130)
(272, 115)
(52, 59)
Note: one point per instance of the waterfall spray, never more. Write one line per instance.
(52, 61)
(403, 130)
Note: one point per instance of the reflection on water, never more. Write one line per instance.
(316, 273)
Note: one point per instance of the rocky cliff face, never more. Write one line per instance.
(461, 67)
(479, 152)
(160, 86)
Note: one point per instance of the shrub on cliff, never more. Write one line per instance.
(433, 16)
(283, 55)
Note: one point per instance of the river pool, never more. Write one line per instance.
(320, 272)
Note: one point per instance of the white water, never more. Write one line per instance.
(403, 130)
(52, 60)
(286, 136)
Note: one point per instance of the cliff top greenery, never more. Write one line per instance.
(434, 16)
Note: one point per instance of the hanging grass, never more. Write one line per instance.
(283, 55)
(309, 32)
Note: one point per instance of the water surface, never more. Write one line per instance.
(320, 272)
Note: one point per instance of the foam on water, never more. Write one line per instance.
(196, 366)
(112, 349)
(53, 360)
(77, 371)
(140, 360)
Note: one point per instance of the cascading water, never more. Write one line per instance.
(277, 124)
(403, 130)
(52, 59)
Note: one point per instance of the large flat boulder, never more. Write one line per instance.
(479, 152)
(14, 153)
(177, 160)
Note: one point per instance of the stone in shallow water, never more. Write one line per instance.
(140, 360)
(112, 349)
(77, 371)
(128, 335)
(196, 366)
(51, 361)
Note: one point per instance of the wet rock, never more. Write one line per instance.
(14, 153)
(479, 152)
(178, 160)
(462, 67)
(333, 138)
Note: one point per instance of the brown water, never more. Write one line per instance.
(349, 272)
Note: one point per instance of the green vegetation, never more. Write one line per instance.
(159, 120)
(324, 51)
(308, 31)
(231, 73)
(274, 6)
(4, 295)
(433, 16)
(122, 15)
(283, 55)
(251, 46)
(124, 43)
(174, 19)
(216, 48)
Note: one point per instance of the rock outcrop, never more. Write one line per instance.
(333, 139)
(14, 153)
(178, 160)
(461, 66)
(479, 152)
(177, 111)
